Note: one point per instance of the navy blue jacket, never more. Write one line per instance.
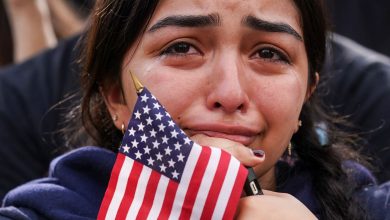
(77, 182)
(30, 110)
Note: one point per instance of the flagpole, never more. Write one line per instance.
(137, 84)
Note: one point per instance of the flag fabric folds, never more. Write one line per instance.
(161, 174)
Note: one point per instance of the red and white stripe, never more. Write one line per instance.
(210, 188)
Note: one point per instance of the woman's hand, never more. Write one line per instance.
(244, 154)
(273, 205)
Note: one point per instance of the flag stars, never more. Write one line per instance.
(156, 105)
(150, 161)
(159, 116)
(147, 150)
(149, 121)
(177, 146)
(153, 133)
(161, 127)
(167, 151)
(138, 155)
(165, 139)
(134, 143)
(174, 134)
(146, 109)
(171, 163)
(144, 98)
(131, 132)
(154, 139)
(141, 127)
(163, 168)
(143, 138)
(126, 148)
(187, 140)
(175, 175)
(155, 144)
(180, 157)
(137, 115)
(171, 123)
(159, 156)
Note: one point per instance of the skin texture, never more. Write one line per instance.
(226, 84)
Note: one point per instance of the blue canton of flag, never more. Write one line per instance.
(155, 140)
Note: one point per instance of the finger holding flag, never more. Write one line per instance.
(161, 173)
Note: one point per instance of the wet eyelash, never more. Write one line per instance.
(283, 57)
(167, 50)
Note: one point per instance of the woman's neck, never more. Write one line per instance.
(268, 180)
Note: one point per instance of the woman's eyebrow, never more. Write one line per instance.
(187, 21)
(263, 25)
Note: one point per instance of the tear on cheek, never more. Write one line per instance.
(150, 69)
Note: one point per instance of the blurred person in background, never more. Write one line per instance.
(31, 90)
(36, 25)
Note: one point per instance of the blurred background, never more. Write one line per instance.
(29, 26)
(366, 22)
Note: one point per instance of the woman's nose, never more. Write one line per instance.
(228, 88)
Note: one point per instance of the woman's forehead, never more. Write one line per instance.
(280, 11)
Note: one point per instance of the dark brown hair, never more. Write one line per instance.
(6, 42)
(115, 27)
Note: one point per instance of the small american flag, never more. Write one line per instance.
(161, 174)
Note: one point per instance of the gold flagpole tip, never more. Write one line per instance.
(137, 84)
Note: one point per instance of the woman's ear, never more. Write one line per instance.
(312, 87)
(116, 105)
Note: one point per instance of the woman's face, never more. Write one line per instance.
(230, 69)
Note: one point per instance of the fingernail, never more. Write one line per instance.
(258, 153)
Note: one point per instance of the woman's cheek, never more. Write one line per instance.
(175, 90)
(279, 98)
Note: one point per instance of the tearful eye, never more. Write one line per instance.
(268, 54)
(180, 48)
(272, 54)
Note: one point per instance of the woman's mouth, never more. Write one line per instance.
(240, 135)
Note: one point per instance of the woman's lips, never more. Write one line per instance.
(244, 139)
